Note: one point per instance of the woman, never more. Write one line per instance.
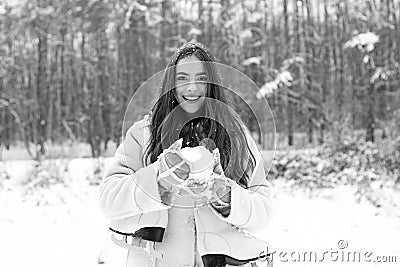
(163, 224)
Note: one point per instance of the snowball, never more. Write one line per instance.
(200, 161)
(191, 154)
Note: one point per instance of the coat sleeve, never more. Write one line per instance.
(128, 188)
(250, 209)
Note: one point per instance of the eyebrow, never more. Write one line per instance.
(184, 73)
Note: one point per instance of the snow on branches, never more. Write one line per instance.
(194, 33)
(251, 60)
(246, 34)
(293, 60)
(381, 74)
(132, 7)
(283, 78)
(365, 42)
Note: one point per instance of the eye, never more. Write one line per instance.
(181, 78)
(202, 78)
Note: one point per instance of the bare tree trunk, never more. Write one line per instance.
(339, 66)
(354, 83)
(200, 20)
(84, 99)
(370, 126)
(52, 75)
(58, 93)
(244, 18)
(309, 66)
(289, 107)
(370, 113)
(7, 120)
(41, 91)
(74, 88)
(390, 44)
(272, 49)
(64, 93)
(119, 86)
(164, 6)
(105, 107)
(326, 73)
(269, 29)
(210, 29)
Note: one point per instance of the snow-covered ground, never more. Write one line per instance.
(327, 222)
(63, 225)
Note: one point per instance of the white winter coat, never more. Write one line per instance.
(130, 200)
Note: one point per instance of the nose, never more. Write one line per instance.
(191, 86)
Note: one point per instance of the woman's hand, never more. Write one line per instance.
(173, 170)
(222, 185)
(217, 190)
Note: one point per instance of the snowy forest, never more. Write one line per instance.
(329, 70)
(69, 67)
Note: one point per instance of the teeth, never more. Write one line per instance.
(192, 97)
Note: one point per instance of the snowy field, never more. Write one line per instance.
(62, 226)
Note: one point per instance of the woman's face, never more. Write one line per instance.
(191, 84)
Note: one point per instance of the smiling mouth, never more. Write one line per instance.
(191, 98)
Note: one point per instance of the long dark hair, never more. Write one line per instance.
(220, 124)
